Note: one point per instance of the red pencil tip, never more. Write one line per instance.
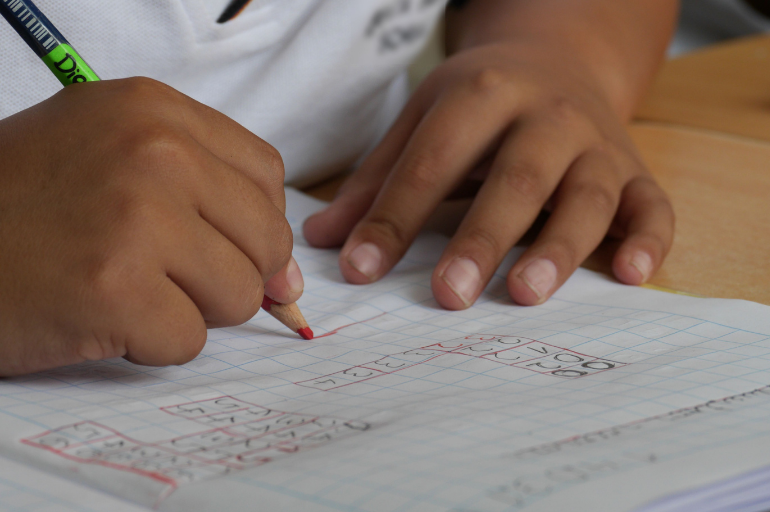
(306, 333)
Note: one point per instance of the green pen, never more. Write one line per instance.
(47, 42)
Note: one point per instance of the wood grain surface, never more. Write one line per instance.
(720, 188)
(725, 88)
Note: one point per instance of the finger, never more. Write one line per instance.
(241, 211)
(172, 330)
(331, 227)
(647, 218)
(449, 141)
(585, 205)
(241, 150)
(225, 138)
(287, 285)
(526, 171)
(136, 311)
(221, 280)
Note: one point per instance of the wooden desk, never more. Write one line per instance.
(725, 89)
(720, 188)
(705, 134)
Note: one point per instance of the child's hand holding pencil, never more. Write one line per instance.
(139, 219)
(132, 218)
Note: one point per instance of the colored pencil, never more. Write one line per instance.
(47, 42)
(289, 315)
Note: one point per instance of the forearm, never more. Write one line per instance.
(620, 42)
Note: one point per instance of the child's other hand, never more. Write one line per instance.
(541, 134)
(131, 218)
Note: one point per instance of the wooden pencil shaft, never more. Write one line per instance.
(289, 315)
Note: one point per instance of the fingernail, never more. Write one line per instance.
(540, 276)
(294, 277)
(643, 263)
(366, 258)
(463, 278)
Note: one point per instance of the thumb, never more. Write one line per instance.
(287, 285)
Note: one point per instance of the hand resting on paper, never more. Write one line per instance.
(542, 127)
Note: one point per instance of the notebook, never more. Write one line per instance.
(607, 397)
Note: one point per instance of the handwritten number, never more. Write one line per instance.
(482, 338)
(541, 365)
(388, 365)
(598, 365)
(572, 374)
(356, 374)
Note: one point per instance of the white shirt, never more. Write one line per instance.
(321, 80)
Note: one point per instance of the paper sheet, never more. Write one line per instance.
(25, 488)
(745, 493)
(606, 398)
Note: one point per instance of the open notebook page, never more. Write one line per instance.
(23, 488)
(605, 398)
(746, 493)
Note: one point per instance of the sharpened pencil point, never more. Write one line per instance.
(289, 315)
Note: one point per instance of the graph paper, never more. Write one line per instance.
(607, 397)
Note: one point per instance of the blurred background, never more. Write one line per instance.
(707, 22)
(702, 23)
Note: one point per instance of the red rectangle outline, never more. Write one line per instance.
(164, 409)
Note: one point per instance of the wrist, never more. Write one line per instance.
(619, 44)
(605, 82)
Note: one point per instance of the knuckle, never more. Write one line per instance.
(151, 155)
(388, 229)
(566, 251)
(665, 205)
(109, 279)
(100, 346)
(129, 212)
(424, 171)
(485, 242)
(661, 242)
(598, 197)
(282, 244)
(190, 343)
(661, 204)
(653, 189)
(487, 80)
(275, 249)
(115, 268)
(526, 181)
(564, 110)
(273, 158)
(276, 169)
(245, 299)
(614, 154)
(655, 199)
(143, 90)
(149, 145)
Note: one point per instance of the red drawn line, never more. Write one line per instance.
(155, 476)
(461, 351)
(157, 446)
(337, 330)
(198, 460)
(79, 443)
